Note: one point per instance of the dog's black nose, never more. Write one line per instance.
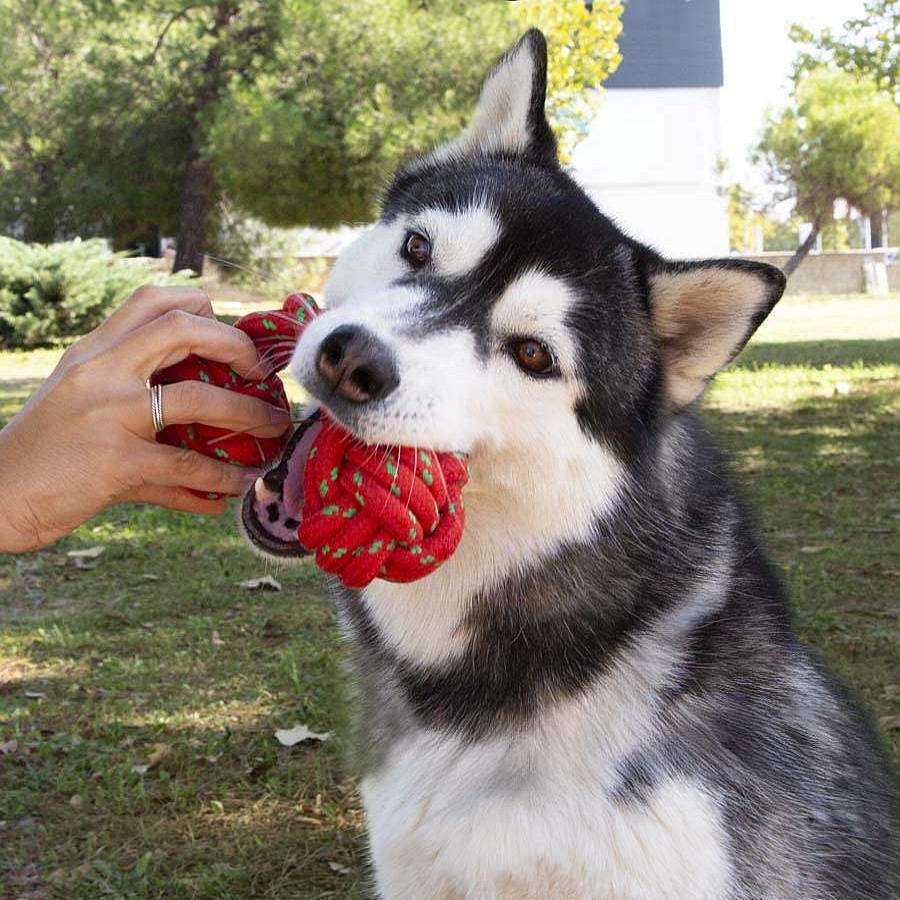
(356, 365)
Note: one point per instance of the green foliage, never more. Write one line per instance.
(299, 108)
(869, 46)
(583, 54)
(48, 293)
(839, 138)
(363, 83)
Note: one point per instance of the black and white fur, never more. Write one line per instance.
(600, 695)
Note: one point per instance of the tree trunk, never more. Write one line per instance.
(803, 250)
(876, 224)
(198, 194)
(197, 200)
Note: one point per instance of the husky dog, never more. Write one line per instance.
(600, 694)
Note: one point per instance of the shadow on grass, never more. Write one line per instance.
(817, 354)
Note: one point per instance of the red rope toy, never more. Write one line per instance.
(367, 511)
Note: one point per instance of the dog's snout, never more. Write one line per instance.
(356, 365)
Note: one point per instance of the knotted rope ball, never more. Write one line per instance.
(380, 512)
(367, 511)
(275, 334)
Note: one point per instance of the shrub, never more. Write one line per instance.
(57, 291)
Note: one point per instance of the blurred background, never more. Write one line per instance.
(240, 145)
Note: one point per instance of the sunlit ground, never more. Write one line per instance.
(139, 697)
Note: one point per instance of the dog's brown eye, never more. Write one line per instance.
(533, 356)
(418, 249)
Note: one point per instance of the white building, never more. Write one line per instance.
(650, 157)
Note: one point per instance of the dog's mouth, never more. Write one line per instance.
(273, 508)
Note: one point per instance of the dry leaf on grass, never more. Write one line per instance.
(217, 640)
(158, 754)
(88, 553)
(264, 583)
(288, 737)
(7, 748)
(84, 559)
(338, 868)
(889, 723)
(35, 695)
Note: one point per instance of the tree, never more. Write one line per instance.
(869, 46)
(138, 117)
(839, 138)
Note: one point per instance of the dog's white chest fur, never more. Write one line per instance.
(509, 820)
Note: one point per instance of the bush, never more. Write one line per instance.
(57, 291)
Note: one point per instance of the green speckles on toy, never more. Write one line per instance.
(204, 376)
(221, 452)
(269, 325)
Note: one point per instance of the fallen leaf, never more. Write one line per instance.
(89, 553)
(217, 641)
(265, 583)
(889, 723)
(75, 801)
(338, 868)
(288, 737)
(7, 748)
(140, 770)
(158, 754)
(149, 576)
(812, 548)
(147, 626)
(35, 695)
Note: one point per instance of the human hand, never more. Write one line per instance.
(85, 439)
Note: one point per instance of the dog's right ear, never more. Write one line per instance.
(510, 118)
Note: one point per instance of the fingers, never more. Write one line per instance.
(176, 467)
(194, 401)
(176, 498)
(150, 302)
(175, 335)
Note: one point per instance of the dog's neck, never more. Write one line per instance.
(521, 506)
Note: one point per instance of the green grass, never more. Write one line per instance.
(157, 655)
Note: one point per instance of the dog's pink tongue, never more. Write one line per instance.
(293, 483)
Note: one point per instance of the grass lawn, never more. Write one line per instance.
(139, 697)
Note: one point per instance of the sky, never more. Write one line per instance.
(758, 56)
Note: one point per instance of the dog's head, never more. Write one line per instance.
(493, 309)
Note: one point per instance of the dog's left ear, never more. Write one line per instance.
(703, 313)
(510, 118)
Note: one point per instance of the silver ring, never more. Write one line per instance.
(156, 408)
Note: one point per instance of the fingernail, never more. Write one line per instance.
(279, 416)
